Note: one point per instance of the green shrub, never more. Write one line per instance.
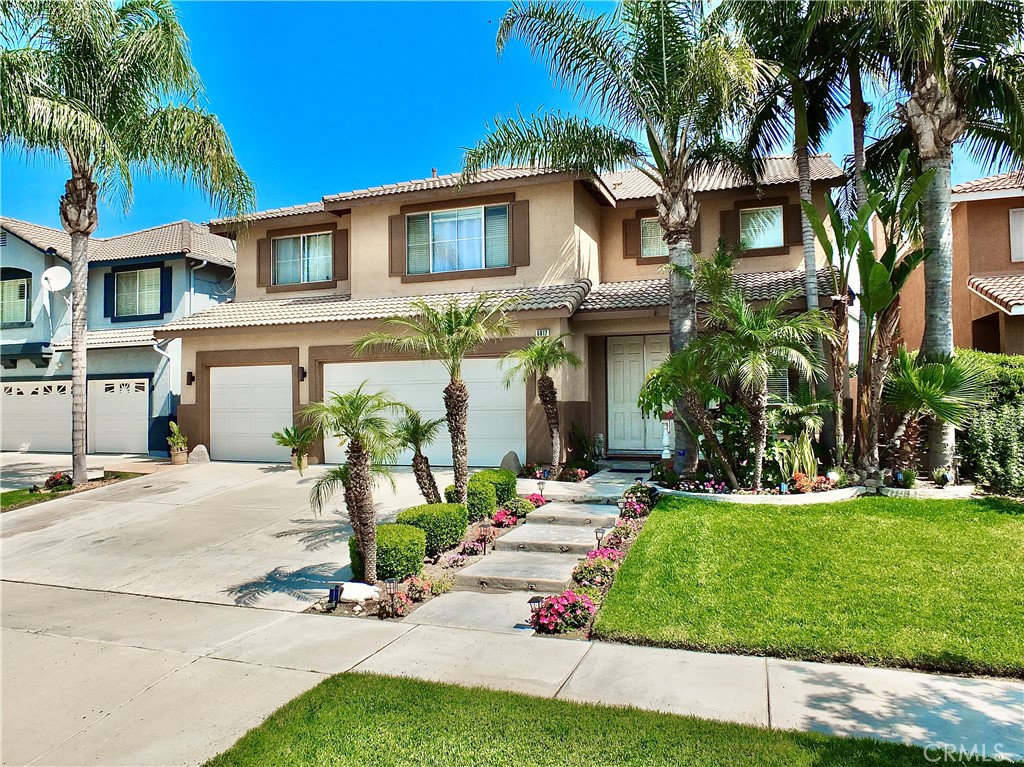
(993, 449)
(400, 552)
(1007, 371)
(481, 500)
(444, 524)
(504, 482)
(518, 506)
(449, 494)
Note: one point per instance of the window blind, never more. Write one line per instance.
(652, 239)
(761, 228)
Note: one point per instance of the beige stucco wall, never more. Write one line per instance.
(588, 215)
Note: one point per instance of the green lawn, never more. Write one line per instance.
(352, 719)
(12, 499)
(929, 584)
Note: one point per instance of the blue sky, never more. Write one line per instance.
(320, 98)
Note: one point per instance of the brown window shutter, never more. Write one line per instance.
(263, 272)
(730, 223)
(519, 228)
(341, 254)
(695, 236)
(792, 225)
(396, 225)
(631, 238)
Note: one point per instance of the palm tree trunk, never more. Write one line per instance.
(840, 370)
(859, 111)
(881, 357)
(695, 407)
(548, 396)
(79, 217)
(425, 478)
(759, 431)
(361, 490)
(456, 404)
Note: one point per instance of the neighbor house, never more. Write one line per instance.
(988, 269)
(582, 256)
(137, 282)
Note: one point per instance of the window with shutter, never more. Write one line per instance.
(458, 239)
(303, 258)
(652, 239)
(14, 301)
(137, 293)
(761, 227)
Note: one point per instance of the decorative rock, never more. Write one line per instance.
(870, 483)
(199, 454)
(357, 609)
(358, 592)
(511, 462)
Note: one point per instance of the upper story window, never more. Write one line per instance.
(652, 239)
(1017, 234)
(14, 300)
(761, 228)
(457, 240)
(137, 293)
(302, 258)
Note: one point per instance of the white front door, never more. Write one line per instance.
(630, 358)
(497, 415)
(247, 404)
(119, 416)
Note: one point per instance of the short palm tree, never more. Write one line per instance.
(540, 358)
(447, 332)
(359, 419)
(751, 343)
(414, 433)
(663, 71)
(111, 88)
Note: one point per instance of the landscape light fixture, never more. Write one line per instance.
(638, 480)
(485, 530)
(535, 603)
(540, 487)
(621, 503)
(391, 587)
(599, 534)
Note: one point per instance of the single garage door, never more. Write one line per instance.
(119, 416)
(248, 404)
(497, 416)
(36, 416)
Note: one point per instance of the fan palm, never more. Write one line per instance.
(660, 70)
(414, 433)
(539, 358)
(751, 343)
(359, 420)
(447, 332)
(112, 89)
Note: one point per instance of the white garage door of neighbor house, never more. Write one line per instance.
(497, 416)
(36, 415)
(247, 405)
(119, 416)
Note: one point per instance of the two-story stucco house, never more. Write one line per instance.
(137, 282)
(583, 255)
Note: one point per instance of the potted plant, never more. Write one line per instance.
(179, 445)
(297, 439)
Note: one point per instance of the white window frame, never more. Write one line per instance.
(302, 251)
(663, 250)
(138, 302)
(26, 301)
(483, 229)
(1016, 235)
(782, 226)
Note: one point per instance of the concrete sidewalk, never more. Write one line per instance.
(104, 678)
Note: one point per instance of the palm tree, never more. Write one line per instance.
(447, 332)
(750, 344)
(359, 419)
(112, 89)
(414, 433)
(660, 70)
(539, 358)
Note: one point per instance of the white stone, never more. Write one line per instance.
(199, 454)
(358, 592)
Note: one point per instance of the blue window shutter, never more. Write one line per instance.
(108, 294)
(166, 278)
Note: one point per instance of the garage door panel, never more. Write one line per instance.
(36, 415)
(119, 416)
(247, 405)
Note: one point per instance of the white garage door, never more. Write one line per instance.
(36, 416)
(497, 416)
(119, 416)
(248, 404)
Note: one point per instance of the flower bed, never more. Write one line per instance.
(569, 473)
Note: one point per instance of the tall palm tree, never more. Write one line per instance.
(961, 67)
(112, 89)
(539, 358)
(359, 419)
(751, 343)
(447, 332)
(658, 70)
(414, 433)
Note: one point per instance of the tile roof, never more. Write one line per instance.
(340, 308)
(651, 294)
(1000, 183)
(290, 210)
(107, 339)
(446, 181)
(168, 239)
(1005, 291)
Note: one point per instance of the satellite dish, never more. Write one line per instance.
(56, 278)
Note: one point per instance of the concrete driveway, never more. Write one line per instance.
(18, 470)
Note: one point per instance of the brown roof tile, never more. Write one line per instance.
(446, 181)
(107, 339)
(1005, 291)
(1000, 183)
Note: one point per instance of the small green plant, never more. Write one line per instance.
(177, 440)
(519, 507)
(504, 482)
(443, 524)
(904, 478)
(942, 475)
(840, 477)
(397, 606)
(441, 585)
(58, 482)
(417, 587)
(400, 552)
(296, 438)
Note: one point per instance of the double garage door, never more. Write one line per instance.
(37, 416)
(249, 403)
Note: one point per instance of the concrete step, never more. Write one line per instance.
(557, 539)
(506, 612)
(579, 514)
(518, 571)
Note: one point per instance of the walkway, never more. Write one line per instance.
(116, 679)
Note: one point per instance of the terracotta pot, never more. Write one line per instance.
(305, 462)
(179, 457)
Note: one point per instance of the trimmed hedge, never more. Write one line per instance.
(993, 449)
(481, 500)
(518, 506)
(504, 482)
(1007, 371)
(444, 524)
(400, 552)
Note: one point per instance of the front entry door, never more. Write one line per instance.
(630, 358)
